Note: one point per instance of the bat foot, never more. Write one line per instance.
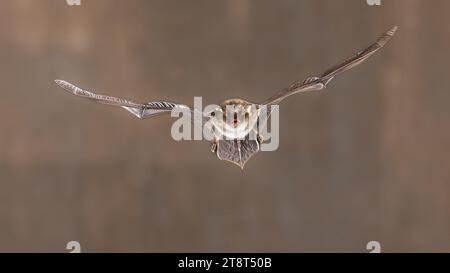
(214, 147)
(260, 139)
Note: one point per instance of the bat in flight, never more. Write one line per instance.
(232, 129)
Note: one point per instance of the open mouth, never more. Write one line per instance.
(235, 120)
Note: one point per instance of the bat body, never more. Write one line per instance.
(236, 132)
(234, 125)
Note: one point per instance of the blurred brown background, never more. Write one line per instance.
(366, 160)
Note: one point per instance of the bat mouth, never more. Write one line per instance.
(233, 122)
(237, 121)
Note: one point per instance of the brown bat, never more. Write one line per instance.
(232, 129)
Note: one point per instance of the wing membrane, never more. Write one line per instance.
(140, 110)
(318, 83)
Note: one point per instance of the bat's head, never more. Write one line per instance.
(237, 112)
(235, 118)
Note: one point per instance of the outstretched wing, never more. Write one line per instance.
(318, 83)
(140, 110)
